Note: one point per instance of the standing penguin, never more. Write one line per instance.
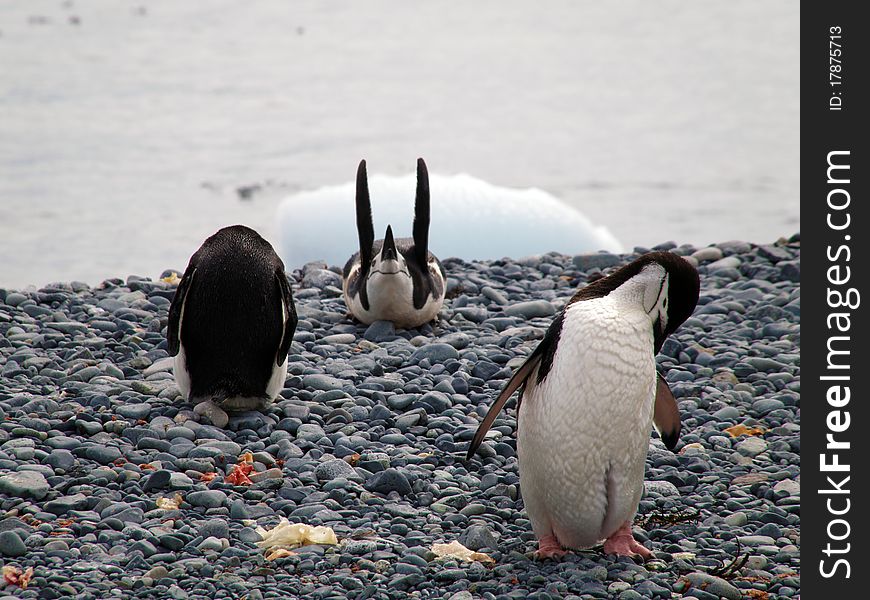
(589, 398)
(396, 280)
(231, 323)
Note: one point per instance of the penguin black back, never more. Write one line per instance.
(232, 316)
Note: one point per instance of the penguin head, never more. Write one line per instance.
(670, 293)
(666, 284)
(389, 261)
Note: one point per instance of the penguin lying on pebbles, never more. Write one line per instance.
(231, 323)
(396, 280)
(590, 394)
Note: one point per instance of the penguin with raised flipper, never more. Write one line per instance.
(391, 279)
(590, 395)
(231, 323)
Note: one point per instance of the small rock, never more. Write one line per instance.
(600, 260)
(11, 545)
(714, 585)
(433, 402)
(380, 331)
(709, 253)
(435, 353)
(333, 469)
(217, 528)
(751, 447)
(207, 498)
(729, 262)
(662, 488)
(789, 486)
(476, 537)
(389, 480)
(530, 309)
(157, 480)
(321, 279)
(310, 432)
(24, 484)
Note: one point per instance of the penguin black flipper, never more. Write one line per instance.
(421, 217)
(173, 329)
(519, 378)
(366, 230)
(423, 280)
(541, 359)
(290, 319)
(666, 415)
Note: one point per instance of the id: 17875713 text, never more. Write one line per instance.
(835, 67)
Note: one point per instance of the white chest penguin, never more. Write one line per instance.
(231, 323)
(396, 280)
(590, 397)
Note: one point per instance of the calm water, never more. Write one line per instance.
(126, 128)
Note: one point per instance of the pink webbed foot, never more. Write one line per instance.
(549, 547)
(622, 543)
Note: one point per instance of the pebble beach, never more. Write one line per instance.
(111, 487)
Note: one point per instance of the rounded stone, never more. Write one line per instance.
(389, 480)
(11, 545)
(436, 353)
(207, 498)
(751, 447)
(333, 469)
(25, 484)
(530, 309)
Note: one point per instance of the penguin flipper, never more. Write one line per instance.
(290, 319)
(421, 218)
(173, 329)
(666, 415)
(366, 230)
(519, 378)
(364, 224)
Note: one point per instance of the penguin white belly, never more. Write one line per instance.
(584, 431)
(391, 298)
(179, 370)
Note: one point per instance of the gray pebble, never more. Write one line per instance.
(603, 260)
(436, 353)
(332, 469)
(11, 545)
(207, 498)
(530, 309)
(24, 484)
(388, 480)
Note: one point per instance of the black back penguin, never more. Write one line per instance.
(396, 280)
(590, 394)
(231, 323)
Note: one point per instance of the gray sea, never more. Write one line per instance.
(131, 130)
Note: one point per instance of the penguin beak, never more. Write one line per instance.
(388, 251)
(389, 261)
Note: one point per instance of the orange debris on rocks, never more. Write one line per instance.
(738, 430)
(238, 475)
(15, 576)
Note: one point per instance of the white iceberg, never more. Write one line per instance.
(471, 219)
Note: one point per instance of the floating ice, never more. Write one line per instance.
(471, 219)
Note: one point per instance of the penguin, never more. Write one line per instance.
(231, 323)
(396, 280)
(589, 396)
